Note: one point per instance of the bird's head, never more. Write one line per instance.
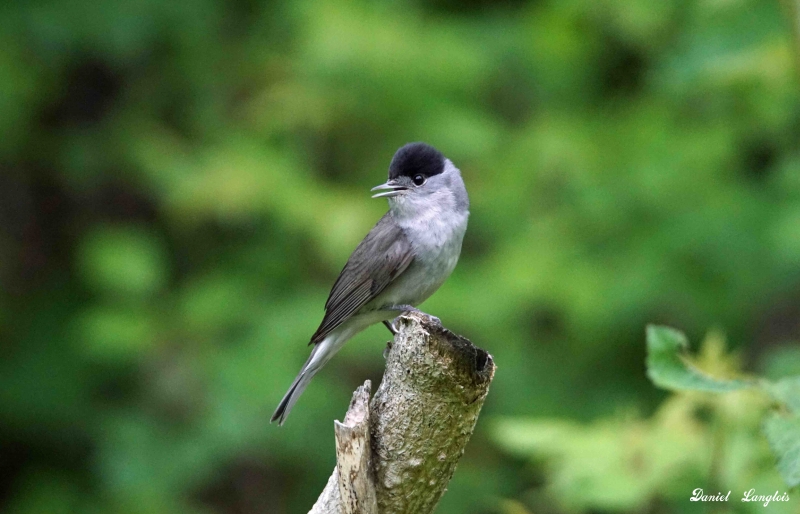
(419, 175)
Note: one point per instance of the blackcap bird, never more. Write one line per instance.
(403, 260)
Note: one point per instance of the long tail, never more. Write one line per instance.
(294, 392)
(320, 355)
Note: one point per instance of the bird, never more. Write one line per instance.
(401, 262)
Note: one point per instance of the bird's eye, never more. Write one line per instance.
(419, 180)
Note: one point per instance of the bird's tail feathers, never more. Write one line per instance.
(321, 354)
(290, 398)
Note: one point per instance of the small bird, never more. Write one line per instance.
(403, 260)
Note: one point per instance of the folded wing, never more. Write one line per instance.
(378, 260)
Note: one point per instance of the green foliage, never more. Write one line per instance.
(615, 464)
(694, 439)
(783, 433)
(180, 183)
(123, 261)
(667, 364)
(668, 367)
(786, 391)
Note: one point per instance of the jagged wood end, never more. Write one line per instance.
(353, 456)
(350, 488)
(419, 421)
(424, 412)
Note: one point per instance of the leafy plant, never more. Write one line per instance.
(707, 435)
(669, 366)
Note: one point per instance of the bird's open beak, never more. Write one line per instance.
(393, 187)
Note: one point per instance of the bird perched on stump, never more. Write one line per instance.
(403, 260)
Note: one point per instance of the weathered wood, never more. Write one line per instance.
(420, 421)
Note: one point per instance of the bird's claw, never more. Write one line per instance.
(391, 327)
(404, 309)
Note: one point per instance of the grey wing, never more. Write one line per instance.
(380, 258)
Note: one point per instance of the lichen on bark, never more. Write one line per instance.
(420, 418)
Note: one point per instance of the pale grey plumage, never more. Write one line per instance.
(403, 260)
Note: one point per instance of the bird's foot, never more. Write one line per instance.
(402, 309)
(409, 308)
(391, 327)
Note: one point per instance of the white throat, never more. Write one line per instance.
(434, 221)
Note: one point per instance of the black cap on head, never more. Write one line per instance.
(416, 158)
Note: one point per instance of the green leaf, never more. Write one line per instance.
(668, 366)
(786, 391)
(783, 434)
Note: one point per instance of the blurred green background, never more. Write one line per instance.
(181, 182)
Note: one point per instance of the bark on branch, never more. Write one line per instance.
(397, 453)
